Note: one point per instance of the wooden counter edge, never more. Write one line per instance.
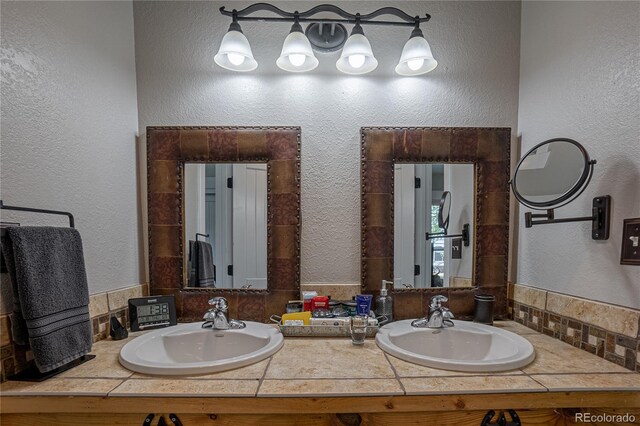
(377, 404)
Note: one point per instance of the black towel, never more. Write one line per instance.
(202, 273)
(50, 285)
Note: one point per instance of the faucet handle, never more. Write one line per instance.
(209, 316)
(447, 314)
(436, 301)
(219, 304)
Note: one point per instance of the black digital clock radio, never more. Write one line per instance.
(147, 313)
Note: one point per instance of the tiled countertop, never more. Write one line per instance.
(334, 367)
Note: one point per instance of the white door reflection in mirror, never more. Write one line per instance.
(250, 224)
(227, 204)
(423, 263)
(404, 224)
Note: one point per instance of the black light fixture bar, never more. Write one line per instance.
(307, 16)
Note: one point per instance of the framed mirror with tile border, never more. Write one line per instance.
(488, 149)
(168, 149)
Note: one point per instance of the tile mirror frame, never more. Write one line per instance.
(488, 149)
(168, 149)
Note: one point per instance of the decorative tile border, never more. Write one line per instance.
(608, 331)
(102, 306)
(617, 319)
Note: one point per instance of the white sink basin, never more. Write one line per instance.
(467, 346)
(187, 349)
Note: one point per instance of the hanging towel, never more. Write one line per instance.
(51, 287)
(18, 326)
(202, 273)
(193, 272)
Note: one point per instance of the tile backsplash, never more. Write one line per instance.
(102, 306)
(609, 331)
(336, 291)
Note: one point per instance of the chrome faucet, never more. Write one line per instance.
(437, 317)
(216, 316)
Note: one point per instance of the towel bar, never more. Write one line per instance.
(32, 210)
(3, 230)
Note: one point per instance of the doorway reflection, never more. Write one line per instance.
(227, 205)
(436, 262)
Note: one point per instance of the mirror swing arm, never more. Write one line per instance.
(464, 235)
(600, 218)
(443, 222)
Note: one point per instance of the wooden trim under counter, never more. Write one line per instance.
(378, 404)
(462, 418)
(532, 408)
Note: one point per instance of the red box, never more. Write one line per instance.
(320, 302)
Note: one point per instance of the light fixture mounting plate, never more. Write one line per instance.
(326, 37)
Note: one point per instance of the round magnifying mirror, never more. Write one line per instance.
(552, 174)
(443, 211)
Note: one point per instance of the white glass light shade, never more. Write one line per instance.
(416, 58)
(358, 46)
(235, 53)
(296, 55)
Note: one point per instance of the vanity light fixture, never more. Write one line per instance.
(297, 55)
(325, 35)
(416, 56)
(357, 56)
(235, 51)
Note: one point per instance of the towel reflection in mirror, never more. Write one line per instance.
(202, 272)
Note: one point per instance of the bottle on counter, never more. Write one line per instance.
(384, 304)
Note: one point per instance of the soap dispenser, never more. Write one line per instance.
(384, 304)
